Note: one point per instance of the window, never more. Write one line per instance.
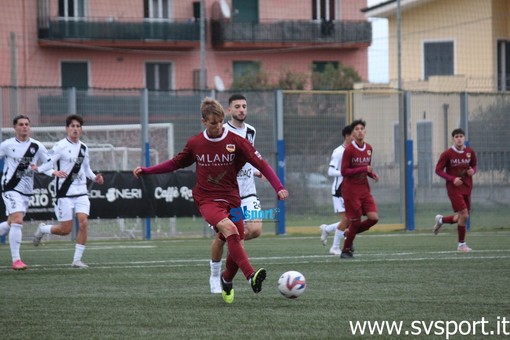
(324, 74)
(157, 9)
(244, 68)
(158, 76)
(245, 11)
(438, 57)
(74, 74)
(71, 8)
(320, 66)
(323, 10)
(503, 65)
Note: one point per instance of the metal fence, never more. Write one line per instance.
(312, 123)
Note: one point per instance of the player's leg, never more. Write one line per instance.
(215, 263)
(368, 208)
(15, 236)
(339, 235)
(82, 210)
(253, 227)
(327, 229)
(340, 227)
(16, 205)
(450, 219)
(353, 213)
(463, 216)
(64, 214)
(4, 228)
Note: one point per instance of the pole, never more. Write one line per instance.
(280, 147)
(202, 46)
(14, 74)
(144, 112)
(403, 128)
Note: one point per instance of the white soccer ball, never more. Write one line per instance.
(292, 284)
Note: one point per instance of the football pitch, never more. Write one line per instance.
(160, 290)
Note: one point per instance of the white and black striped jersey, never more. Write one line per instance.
(72, 158)
(18, 155)
(245, 176)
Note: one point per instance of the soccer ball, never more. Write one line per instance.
(292, 284)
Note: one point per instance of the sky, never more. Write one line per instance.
(378, 65)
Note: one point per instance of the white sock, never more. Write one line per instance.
(4, 228)
(331, 227)
(78, 252)
(215, 268)
(15, 236)
(46, 229)
(338, 237)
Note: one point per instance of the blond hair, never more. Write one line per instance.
(210, 106)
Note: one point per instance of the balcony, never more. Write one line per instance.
(110, 32)
(228, 35)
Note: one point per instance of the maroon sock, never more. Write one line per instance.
(448, 219)
(366, 224)
(461, 230)
(231, 269)
(350, 235)
(236, 251)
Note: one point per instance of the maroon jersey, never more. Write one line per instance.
(455, 163)
(354, 169)
(218, 162)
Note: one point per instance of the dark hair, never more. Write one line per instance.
(70, 119)
(358, 122)
(18, 117)
(347, 130)
(458, 131)
(236, 96)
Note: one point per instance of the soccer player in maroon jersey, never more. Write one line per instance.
(219, 155)
(356, 168)
(457, 165)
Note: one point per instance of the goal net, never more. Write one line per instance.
(113, 147)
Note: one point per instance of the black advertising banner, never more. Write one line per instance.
(123, 195)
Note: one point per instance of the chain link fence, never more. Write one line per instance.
(312, 124)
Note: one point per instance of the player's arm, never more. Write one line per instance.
(184, 159)
(472, 165)
(334, 165)
(48, 166)
(441, 165)
(254, 158)
(88, 171)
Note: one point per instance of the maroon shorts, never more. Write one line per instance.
(459, 201)
(355, 207)
(214, 212)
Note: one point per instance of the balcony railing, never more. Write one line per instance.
(122, 32)
(227, 34)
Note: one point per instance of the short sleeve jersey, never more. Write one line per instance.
(73, 158)
(18, 155)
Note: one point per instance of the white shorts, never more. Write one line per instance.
(250, 203)
(65, 206)
(338, 204)
(15, 202)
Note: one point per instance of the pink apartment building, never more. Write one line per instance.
(156, 44)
